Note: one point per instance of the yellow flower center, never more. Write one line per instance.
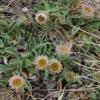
(54, 66)
(63, 49)
(69, 76)
(41, 18)
(88, 10)
(42, 63)
(17, 82)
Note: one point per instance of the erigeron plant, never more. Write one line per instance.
(31, 51)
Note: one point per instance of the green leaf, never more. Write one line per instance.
(16, 64)
(28, 62)
(2, 68)
(74, 30)
(62, 19)
(47, 6)
(95, 25)
(1, 44)
(4, 35)
(11, 50)
(46, 74)
(2, 22)
(28, 86)
(26, 54)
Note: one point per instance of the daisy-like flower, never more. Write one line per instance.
(16, 82)
(55, 66)
(41, 62)
(63, 49)
(69, 75)
(87, 10)
(41, 18)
